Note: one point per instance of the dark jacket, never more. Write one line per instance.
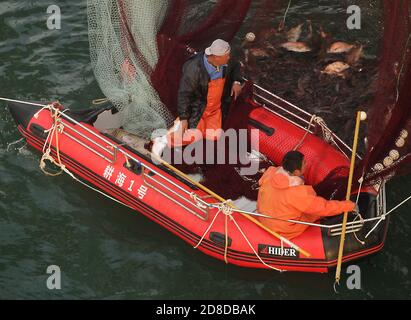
(192, 93)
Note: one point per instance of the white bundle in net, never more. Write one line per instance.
(122, 36)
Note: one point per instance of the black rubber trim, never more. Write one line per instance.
(269, 131)
(22, 113)
(134, 167)
(219, 239)
(38, 130)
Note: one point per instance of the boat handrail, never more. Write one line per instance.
(303, 120)
(355, 225)
(381, 197)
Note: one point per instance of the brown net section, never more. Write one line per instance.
(389, 123)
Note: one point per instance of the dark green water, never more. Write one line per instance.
(105, 250)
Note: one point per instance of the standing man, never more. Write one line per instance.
(209, 81)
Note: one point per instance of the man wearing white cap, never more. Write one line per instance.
(209, 81)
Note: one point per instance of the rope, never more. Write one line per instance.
(225, 208)
(361, 180)
(327, 133)
(208, 229)
(355, 233)
(307, 131)
(13, 143)
(196, 198)
(252, 248)
(285, 16)
(56, 128)
(383, 216)
(94, 189)
(54, 131)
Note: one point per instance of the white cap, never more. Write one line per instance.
(218, 48)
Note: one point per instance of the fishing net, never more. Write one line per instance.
(139, 46)
(389, 143)
(123, 48)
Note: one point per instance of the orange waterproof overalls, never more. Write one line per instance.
(278, 199)
(209, 126)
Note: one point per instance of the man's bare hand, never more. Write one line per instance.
(184, 125)
(235, 90)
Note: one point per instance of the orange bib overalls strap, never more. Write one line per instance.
(211, 120)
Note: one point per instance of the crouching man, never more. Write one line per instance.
(283, 195)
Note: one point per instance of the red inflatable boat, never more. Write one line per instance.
(127, 174)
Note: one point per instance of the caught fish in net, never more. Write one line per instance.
(138, 48)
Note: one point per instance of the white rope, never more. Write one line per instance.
(361, 180)
(375, 226)
(252, 248)
(355, 233)
(307, 131)
(13, 143)
(46, 154)
(36, 115)
(286, 12)
(328, 134)
(94, 189)
(383, 216)
(196, 198)
(208, 229)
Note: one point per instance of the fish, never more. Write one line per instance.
(354, 55)
(258, 52)
(309, 31)
(296, 46)
(340, 47)
(336, 68)
(294, 33)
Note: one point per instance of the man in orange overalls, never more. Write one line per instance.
(208, 82)
(283, 195)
